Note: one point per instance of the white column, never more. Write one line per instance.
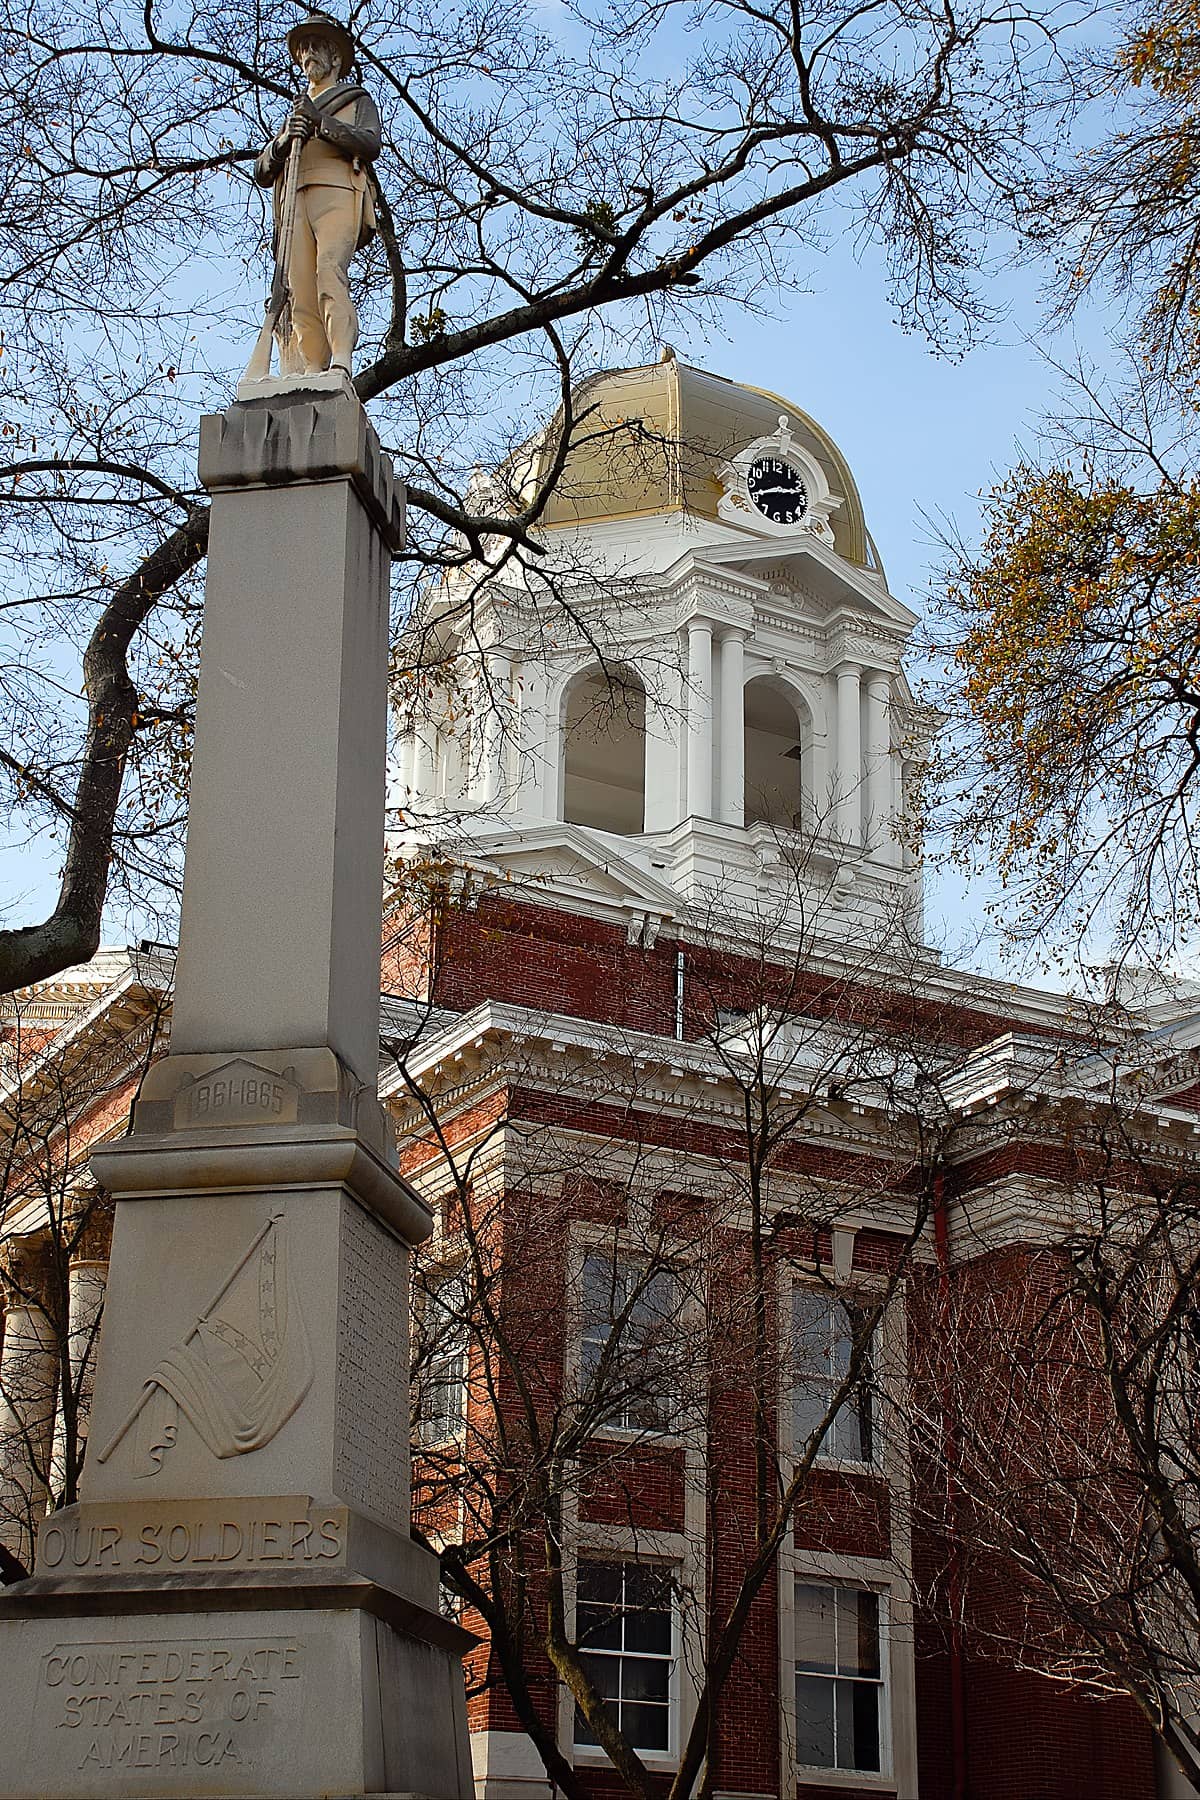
(405, 759)
(28, 1385)
(665, 737)
(733, 728)
(494, 691)
(532, 769)
(86, 1280)
(818, 797)
(879, 766)
(848, 773)
(554, 744)
(423, 765)
(699, 719)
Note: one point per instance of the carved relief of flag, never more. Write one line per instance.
(241, 1371)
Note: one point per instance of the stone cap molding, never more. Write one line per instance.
(184, 1166)
(263, 1088)
(303, 434)
(119, 1596)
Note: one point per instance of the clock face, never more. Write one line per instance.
(777, 489)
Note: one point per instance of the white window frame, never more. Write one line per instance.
(883, 1683)
(424, 1438)
(890, 1580)
(682, 1550)
(618, 1254)
(623, 1559)
(626, 1542)
(826, 1456)
(889, 1575)
(592, 1755)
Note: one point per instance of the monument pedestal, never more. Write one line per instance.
(236, 1606)
(282, 1685)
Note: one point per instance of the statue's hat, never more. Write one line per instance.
(320, 25)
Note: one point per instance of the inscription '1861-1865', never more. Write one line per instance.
(239, 1092)
(212, 1704)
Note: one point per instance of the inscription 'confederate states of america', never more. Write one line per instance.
(158, 1704)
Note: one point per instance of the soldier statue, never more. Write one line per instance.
(317, 166)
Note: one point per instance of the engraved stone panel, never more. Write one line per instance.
(211, 1703)
(186, 1705)
(238, 1093)
(140, 1538)
(372, 1468)
(239, 1372)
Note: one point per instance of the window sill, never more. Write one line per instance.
(590, 1756)
(846, 1778)
(848, 1465)
(637, 1434)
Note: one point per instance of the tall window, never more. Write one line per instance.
(443, 1358)
(604, 752)
(841, 1691)
(776, 740)
(625, 1624)
(628, 1331)
(823, 1333)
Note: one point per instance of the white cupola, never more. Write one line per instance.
(720, 704)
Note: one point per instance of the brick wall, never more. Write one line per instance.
(503, 948)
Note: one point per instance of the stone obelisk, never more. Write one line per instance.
(236, 1606)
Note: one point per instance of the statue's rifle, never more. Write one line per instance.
(279, 302)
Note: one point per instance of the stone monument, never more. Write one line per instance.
(236, 1606)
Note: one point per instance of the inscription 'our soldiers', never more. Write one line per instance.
(102, 1547)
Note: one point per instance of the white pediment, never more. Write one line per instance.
(820, 572)
(576, 863)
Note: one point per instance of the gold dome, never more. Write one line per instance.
(652, 440)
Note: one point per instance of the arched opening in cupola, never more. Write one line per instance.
(778, 747)
(604, 751)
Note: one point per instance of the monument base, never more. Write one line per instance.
(236, 1606)
(289, 387)
(272, 1687)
